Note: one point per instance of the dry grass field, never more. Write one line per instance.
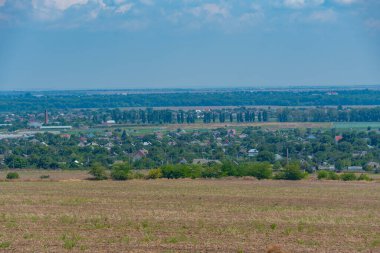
(189, 216)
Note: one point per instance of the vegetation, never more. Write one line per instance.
(120, 171)
(330, 175)
(316, 148)
(291, 172)
(13, 175)
(154, 174)
(63, 100)
(178, 215)
(98, 172)
(348, 177)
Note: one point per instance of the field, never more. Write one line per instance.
(149, 129)
(236, 215)
(357, 125)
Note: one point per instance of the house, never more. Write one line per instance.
(355, 168)
(326, 167)
(140, 154)
(110, 122)
(278, 157)
(373, 165)
(183, 161)
(253, 152)
(205, 161)
(338, 138)
(359, 154)
(146, 143)
(243, 136)
(67, 136)
(231, 132)
(34, 124)
(172, 143)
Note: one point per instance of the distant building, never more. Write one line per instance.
(205, 161)
(373, 165)
(355, 168)
(55, 127)
(183, 161)
(34, 124)
(140, 154)
(110, 122)
(46, 117)
(338, 138)
(326, 167)
(253, 152)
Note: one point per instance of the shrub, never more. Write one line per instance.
(181, 171)
(154, 174)
(120, 171)
(44, 176)
(266, 156)
(258, 170)
(229, 168)
(135, 175)
(291, 172)
(172, 171)
(119, 175)
(333, 176)
(211, 172)
(98, 171)
(364, 177)
(348, 177)
(330, 175)
(323, 174)
(13, 175)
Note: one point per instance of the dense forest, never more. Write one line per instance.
(14, 102)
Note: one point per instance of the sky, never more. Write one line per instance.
(121, 44)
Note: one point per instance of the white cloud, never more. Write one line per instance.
(210, 10)
(296, 4)
(2, 2)
(323, 16)
(124, 8)
(60, 5)
(346, 1)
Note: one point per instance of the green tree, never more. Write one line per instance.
(120, 171)
(292, 172)
(98, 171)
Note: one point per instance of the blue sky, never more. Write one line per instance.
(97, 44)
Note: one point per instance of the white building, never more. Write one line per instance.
(253, 152)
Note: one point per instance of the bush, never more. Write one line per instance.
(323, 174)
(364, 177)
(13, 175)
(257, 170)
(266, 156)
(291, 172)
(330, 175)
(44, 176)
(135, 175)
(120, 171)
(172, 171)
(211, 172)
(181, 171)
(98, 171)
(333, 176)
(348, 177)
(154, 174)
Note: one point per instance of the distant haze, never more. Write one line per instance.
(106, 44)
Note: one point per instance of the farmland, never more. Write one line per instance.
(230, 215)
